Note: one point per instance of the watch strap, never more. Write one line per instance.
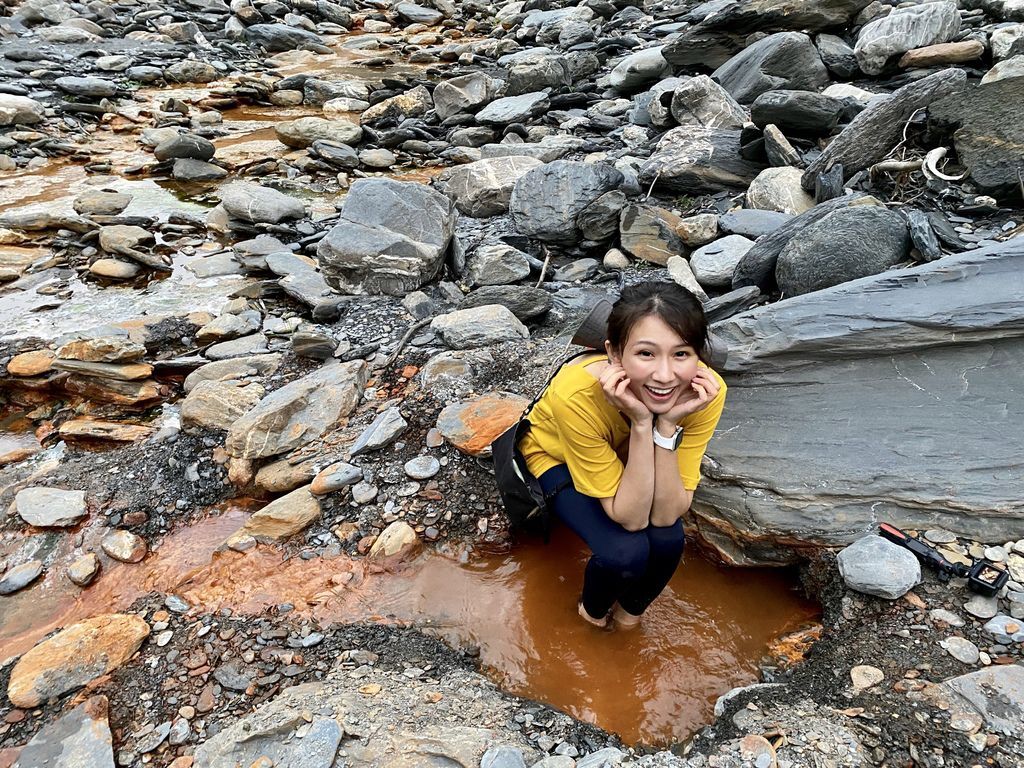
(668, 443)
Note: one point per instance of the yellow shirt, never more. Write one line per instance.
(574, 424)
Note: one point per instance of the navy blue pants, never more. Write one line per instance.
(631, 567)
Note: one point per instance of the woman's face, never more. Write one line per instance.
(658, 362)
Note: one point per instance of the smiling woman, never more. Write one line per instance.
(616, 442)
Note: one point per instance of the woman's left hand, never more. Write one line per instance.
(702, 390)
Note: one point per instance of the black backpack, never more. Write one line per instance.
(525, 502)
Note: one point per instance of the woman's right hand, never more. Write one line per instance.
(615, 384)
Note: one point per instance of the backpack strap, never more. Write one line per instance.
(552, 377)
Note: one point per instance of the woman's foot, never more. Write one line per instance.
(624, 619)
(602, 623)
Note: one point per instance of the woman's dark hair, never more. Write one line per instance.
(677, 307)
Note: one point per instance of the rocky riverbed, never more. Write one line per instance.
(307, 258)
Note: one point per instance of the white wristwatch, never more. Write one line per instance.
(668, 443)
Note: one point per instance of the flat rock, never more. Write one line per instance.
(34, 363)
(876, 566)
(302, 132)
(75, 656)
(238, 368)
(889, 335)
(472, 425)
(106, 349)
(498, 264)
(260, 205)
(513, 109)
(383, 430)
(422, 467)
(982, 607)
(997, 694)
(219, 404)
(525, 302)
(651, 233)
(479, 327)
(50, 507)
(282, 517)
(20, 110)
(298, 412)
(20, 576)
(124, 546)
(752, 223)
(779, 190)
(79, 738)
(962, 650)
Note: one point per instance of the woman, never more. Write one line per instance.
(616, 442)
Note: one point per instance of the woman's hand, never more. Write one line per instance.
(615, 384)
(702, 390)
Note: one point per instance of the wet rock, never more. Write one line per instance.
(523, 301)
(640, 68)
(498, 264)
(650, 233)
(79, 738)
(282, 517)
(124, 546)
(20, 110)
(383, 430)
(472, 425)
(701, 101)
(101, 202)
(89, 87)
(20, 576)
(115, 269)
(876, 566)
(784, 60)
(105, 349)
(694, 160)
(126, 240)
(84, 569)
(240, 368)
(258, 205)
(996, 693)
(111, 371)
(422, 467)
(74, 657)
(479, 327)
(464, 94)
(875, 131)
(849, 243)
(34, 363)
(219, 404)
(484, 188)
(779, 190)
(413, 103)
(546, 200)
(280, 37)
(197, 170)
(340, 155)
(298, 412)
(713, 264)
(905, 29)
(302, 132)
(50, 507)
(513, 109)
(397, 540)
(184, 145)
(335, 477)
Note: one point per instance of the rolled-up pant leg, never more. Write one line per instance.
(620, 557)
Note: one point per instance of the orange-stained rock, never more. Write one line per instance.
(397, 540)
(74, 657)
(282, 517)
(472, 426)
(117, 392)
(104, 430)
(31, 363)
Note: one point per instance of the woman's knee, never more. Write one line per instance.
(666, 540)
(626, 553)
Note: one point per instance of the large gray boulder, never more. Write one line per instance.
(546, 201)
(989, 138)
(260, 205)
(639, 68)
(275, 38)
(484, 188)
(391, 238)
(849, 243)
(884, 398)
(701, 101)
(20, 110)
(466, 93)
(903, 30)
(785, 60)
(692, 159)
(536, 72)
(876, 566)
(298, 412)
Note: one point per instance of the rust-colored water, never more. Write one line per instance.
(656, 684)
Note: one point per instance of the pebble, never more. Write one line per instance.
(996, 554)
(364, 493)
(962, 650)
(940, 536)
(422, 467)
(866, 676)
(982, 607)
(947, 617)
